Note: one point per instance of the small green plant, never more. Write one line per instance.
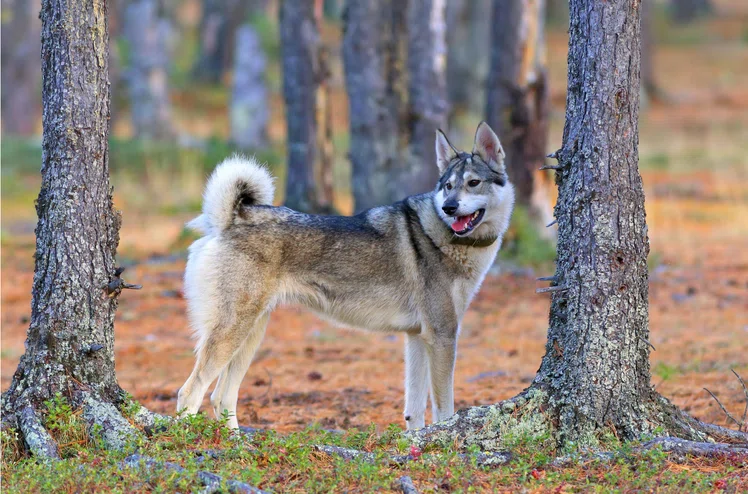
(65, 425)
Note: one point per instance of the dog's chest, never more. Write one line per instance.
(472, 265)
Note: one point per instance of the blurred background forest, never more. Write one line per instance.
(342, 103)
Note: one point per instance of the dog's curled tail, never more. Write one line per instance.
(235, 183)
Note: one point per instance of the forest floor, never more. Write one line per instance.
(307, 373)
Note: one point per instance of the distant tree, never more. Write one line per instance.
(517, 105)
(373, 50)
(249, 110)
(427, 92)
(21, 73)
(70, 340)
(690, 10)
(595, 374)
(147, 33)
(468, 55)
(300, 51)
(219, 22)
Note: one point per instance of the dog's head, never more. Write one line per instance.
(473, 196)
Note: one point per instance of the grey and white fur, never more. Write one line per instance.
(412, 267)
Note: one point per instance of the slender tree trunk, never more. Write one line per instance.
(690, 10)
(147, 33)
(20, 67)
(300, 50)
(373, 62)
(323, 165)
(214, 39)
(468, 54)
(517, 105)
(249, 110)
(427, 92)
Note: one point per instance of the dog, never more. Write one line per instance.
(412, 267)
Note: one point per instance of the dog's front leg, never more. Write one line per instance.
(416, 381)
(442, 354)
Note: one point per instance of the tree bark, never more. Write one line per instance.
(373, 62)
(20, 67)
(70, 340)
(147, 33)
(517, 105)
(300, 51)
(427, 92)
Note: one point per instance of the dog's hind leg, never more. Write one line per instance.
(416, 381)
(213, 356)
(226, 394)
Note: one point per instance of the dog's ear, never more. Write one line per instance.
(488, 147)
(445, 152)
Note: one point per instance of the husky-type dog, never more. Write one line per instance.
(412, 267)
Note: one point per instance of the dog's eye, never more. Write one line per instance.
(474, 183)
(449, 186)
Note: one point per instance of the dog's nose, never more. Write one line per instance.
(449, 210)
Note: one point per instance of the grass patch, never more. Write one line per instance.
(290, 463)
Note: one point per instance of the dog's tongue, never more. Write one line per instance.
(461, 223)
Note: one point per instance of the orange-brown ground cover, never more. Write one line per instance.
(308, 371)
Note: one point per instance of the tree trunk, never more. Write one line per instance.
(468, 54)
(517, 105)
(689, 10)
(323, 165)
(20, 67)
(147, 33)
(299, 51)
(70, 340)
(249, 109)
(372, 58)
(595, 374)
(219, 23)
(427, 92)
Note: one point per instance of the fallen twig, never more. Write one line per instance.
(745, 411)
(482, 459)
(729, 415)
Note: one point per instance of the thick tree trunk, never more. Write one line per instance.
(468, 55)
(300, 50)
(20, 67)
(427, 92)
(70, 340)
(372, 58)
(517, 105)
(249, 109)
(596, 366)
(147, 33)
(595, 374)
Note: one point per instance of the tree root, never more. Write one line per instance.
(481, 459)
(148, 420)
(211, 481)
(38, 440)
(406, 485)
(680, 450)
(115, 430)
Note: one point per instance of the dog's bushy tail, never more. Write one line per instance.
(235, 183)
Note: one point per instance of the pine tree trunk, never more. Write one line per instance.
(20, 67)
(371, 57)
(147, 33)
(427, 92)
(517, 105)
(249, 110)
(468, 54)
(597, 359)
(299, 50)
(70, 340)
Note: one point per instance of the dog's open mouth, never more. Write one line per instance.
(465, 224)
